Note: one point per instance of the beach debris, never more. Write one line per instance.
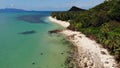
(92, 37)
(106, 62)
(28, 32)
(71, 37)
(80, 36)
(85, 65)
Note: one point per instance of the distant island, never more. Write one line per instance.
(17, 10)
(101, 23)
(11, 10)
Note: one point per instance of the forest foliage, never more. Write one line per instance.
(101, 21)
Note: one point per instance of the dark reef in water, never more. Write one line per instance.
(28, 32)
(31, 18)
(54, 31)
(33, 63)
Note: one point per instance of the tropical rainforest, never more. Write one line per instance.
(101, 22)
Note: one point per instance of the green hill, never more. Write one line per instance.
(102, 22)
(74, 8)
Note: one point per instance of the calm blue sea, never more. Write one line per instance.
(25, 42)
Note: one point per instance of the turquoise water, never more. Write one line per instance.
(36, 50)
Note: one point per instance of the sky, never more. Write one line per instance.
(48, 5)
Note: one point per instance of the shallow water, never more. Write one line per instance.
(35, 50)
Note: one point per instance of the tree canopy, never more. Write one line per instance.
(101, 21)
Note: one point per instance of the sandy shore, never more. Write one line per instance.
(62, 23)
(89, 53)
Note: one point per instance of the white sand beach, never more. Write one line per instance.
(62, 23)
(90, 54)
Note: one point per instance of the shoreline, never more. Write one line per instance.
(89, 53)
(62, 23)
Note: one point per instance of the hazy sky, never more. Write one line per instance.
(49, 5)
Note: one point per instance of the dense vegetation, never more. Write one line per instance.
(101, 22)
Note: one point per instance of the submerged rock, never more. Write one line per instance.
(31, 18)
(28, 32)
(54, 31)
(33, 63)
(62, 53)
(41, 53)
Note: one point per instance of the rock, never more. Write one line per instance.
(54, 31)
(62, 53)
(28, 32)
(41, 53)
(102, 52)
(33, 63)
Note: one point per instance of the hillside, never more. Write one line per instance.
(68, 15)
(74, 8)
(101, 23)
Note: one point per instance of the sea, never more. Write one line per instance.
(25, 41)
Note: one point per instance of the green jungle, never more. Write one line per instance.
(101, 23)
